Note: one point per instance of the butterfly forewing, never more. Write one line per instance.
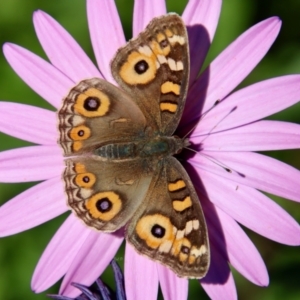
(154, 68)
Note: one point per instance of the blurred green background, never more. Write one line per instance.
(20, 253)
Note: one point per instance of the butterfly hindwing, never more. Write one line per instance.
(101, 193)
(154, 68)
(169, 225)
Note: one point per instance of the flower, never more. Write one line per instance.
(102, 291)
(227, 136)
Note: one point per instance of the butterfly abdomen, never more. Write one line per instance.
(118, 151)
(158, 146)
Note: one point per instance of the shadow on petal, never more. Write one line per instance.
(219, 256)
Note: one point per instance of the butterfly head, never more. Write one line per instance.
(180, 143)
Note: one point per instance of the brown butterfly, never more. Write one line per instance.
(122, 170)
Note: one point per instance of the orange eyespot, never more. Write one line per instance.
(85, 180)
(161, 47)
(92, 103)
(80, 133)
(104, 205)
(182, 248)
(138, 69)
(155, 230)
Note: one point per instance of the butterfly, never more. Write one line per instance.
(119, 147)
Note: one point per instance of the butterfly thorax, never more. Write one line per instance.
(155, 147)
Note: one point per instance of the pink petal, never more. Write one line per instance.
(252, 209)
(15, 118)
(41, 76)
(62, 50)
(243, 255)
(226, 234)
(106, 33)
(201, 19)
(144, 11)
(205, 12)
(33, 207)
(218, 282)
(230, 68)
(258, 136)
(141, 277)
(91, 260)
(253, 170)
(59, 254)
(171, 285)
(32, 163)
(253, 103)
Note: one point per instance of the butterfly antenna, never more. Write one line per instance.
(213, 160)
(201, 118)
(223, 166)
(206, 135)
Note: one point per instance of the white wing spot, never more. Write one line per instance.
(162, 59)
(157, 64)
(196, 224)
(146, 50)
(86, 193)
(188, 227)
(203, 250)
(165, 246)
(199, 251)
(77, 120)
(177, 39)
(172, 64)
(179, 66)
(179, 234)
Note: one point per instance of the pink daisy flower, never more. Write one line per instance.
(227, 136)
